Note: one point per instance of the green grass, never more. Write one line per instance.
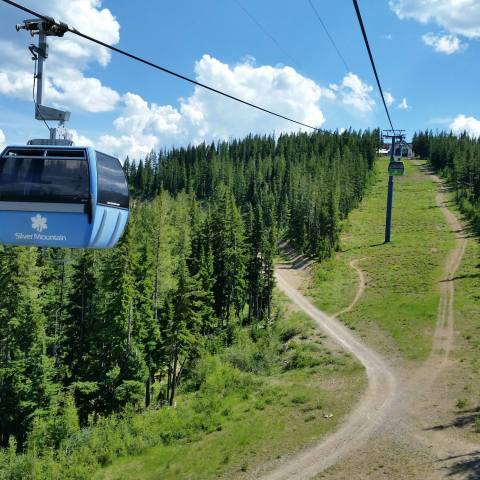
(466, 374)
(401, 297)
(280, 414)
(467, 305)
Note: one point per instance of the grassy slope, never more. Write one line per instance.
(464, 380)
(467, 307)
(401, 297)
(278, 417)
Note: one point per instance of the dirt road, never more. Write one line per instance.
(370, 411)
(402, 417)
(428, 384)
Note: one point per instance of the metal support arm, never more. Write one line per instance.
(44, 29)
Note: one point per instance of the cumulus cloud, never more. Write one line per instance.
(389, 99)
(86, 93)
(207, 116)
(447, 44)
(355, 93)
(66, 85)
(462, 124)
(204, 116)
(403, 105)
(90, 18)
(79, 139)
(458, 17)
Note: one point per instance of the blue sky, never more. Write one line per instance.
(426, 52)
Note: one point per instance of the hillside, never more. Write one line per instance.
(92, 336)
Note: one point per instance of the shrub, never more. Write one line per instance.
(300, 357)
(299, 398)
(51, 428)
(296, 325)
(258, 356)
(130, 392)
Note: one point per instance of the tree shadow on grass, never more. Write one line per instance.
(467, 466)
(465, 419)
(360, 247)
(460, 277)
(294, 260)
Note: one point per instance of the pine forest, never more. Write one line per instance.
(457, 159)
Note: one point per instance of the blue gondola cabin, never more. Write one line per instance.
(58, 196)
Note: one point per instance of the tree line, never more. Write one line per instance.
(457, 158)
(85, 333)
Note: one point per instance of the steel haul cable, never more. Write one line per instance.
(367, 44)
(158, 67)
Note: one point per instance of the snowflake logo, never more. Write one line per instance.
(39, 223)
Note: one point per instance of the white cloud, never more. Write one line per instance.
(458, 17)
(68, 89)
(462, 124)
(83, 92)
(355, 93)
(447, 44)
(90, 18)
(66, 85)
(79, 139)
(2, 140)
(130, 145)
(389, 99)
(403, 105)
(207, 116)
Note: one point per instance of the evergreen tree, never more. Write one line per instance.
(25, 370)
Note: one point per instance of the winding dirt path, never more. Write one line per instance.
(408, 413)
(371, 409)
(428, 383)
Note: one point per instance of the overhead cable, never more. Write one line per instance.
(332, 41)
(156, 66)
(365, 39)
(265, 31)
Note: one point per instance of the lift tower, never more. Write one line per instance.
(395, 168)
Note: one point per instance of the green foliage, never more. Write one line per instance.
(298, 187)
(25, 370)
(52, 427)
(458, 159)
(57, 448)
(130, 392)
(297, 326)
(301, 356)
(89, 335)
